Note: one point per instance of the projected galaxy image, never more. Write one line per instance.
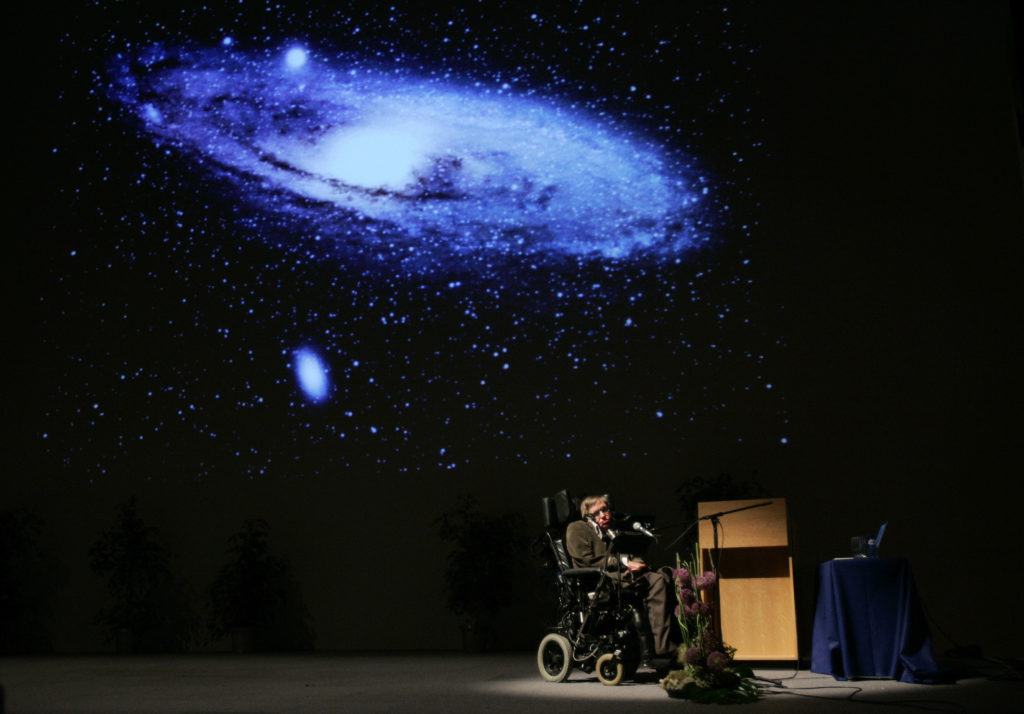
(300, 240)
(438, 169)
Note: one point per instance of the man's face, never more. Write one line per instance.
(601, 514)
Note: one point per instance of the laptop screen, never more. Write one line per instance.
(878, 538)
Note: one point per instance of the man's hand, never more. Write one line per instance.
(636, 566)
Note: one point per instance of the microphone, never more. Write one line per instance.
(638, 526)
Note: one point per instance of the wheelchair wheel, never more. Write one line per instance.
(609, 669)
(554, 658)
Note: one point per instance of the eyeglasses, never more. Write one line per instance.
(602, 509)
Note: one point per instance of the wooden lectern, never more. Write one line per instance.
(756, 607)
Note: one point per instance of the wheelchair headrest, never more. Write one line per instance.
(559, 510)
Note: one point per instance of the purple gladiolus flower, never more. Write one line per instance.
(686, 596)
(682, 577)
(717, 661)
(709, 640)
(705, 581)
(692, 656)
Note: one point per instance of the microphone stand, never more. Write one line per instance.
(680, 536)
(715, 518)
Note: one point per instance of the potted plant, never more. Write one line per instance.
(487, 557)
(25, 596)
(255, 598)
(136, 566)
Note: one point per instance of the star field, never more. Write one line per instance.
(218, 302)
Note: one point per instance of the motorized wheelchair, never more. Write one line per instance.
(600, 622)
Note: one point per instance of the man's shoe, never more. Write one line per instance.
(655, 664)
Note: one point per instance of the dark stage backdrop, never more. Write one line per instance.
(334, 265)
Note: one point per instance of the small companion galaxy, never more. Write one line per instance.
(300, 240)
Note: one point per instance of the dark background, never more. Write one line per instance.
(889, 213)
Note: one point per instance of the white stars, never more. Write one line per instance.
(427, 225)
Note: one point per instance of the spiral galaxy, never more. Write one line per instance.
(417, 168)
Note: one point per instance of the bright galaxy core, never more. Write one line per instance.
(374, 241)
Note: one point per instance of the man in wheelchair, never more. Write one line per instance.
(587, 542)
(615, 611)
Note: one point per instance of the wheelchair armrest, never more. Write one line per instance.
(581, 572)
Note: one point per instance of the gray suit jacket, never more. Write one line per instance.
(587, 548)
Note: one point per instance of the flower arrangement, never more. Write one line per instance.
(704, 670)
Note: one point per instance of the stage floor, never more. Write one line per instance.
(434, 682)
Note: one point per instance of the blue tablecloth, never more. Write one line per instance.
(869, 623)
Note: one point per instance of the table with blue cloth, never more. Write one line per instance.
(869, 622)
